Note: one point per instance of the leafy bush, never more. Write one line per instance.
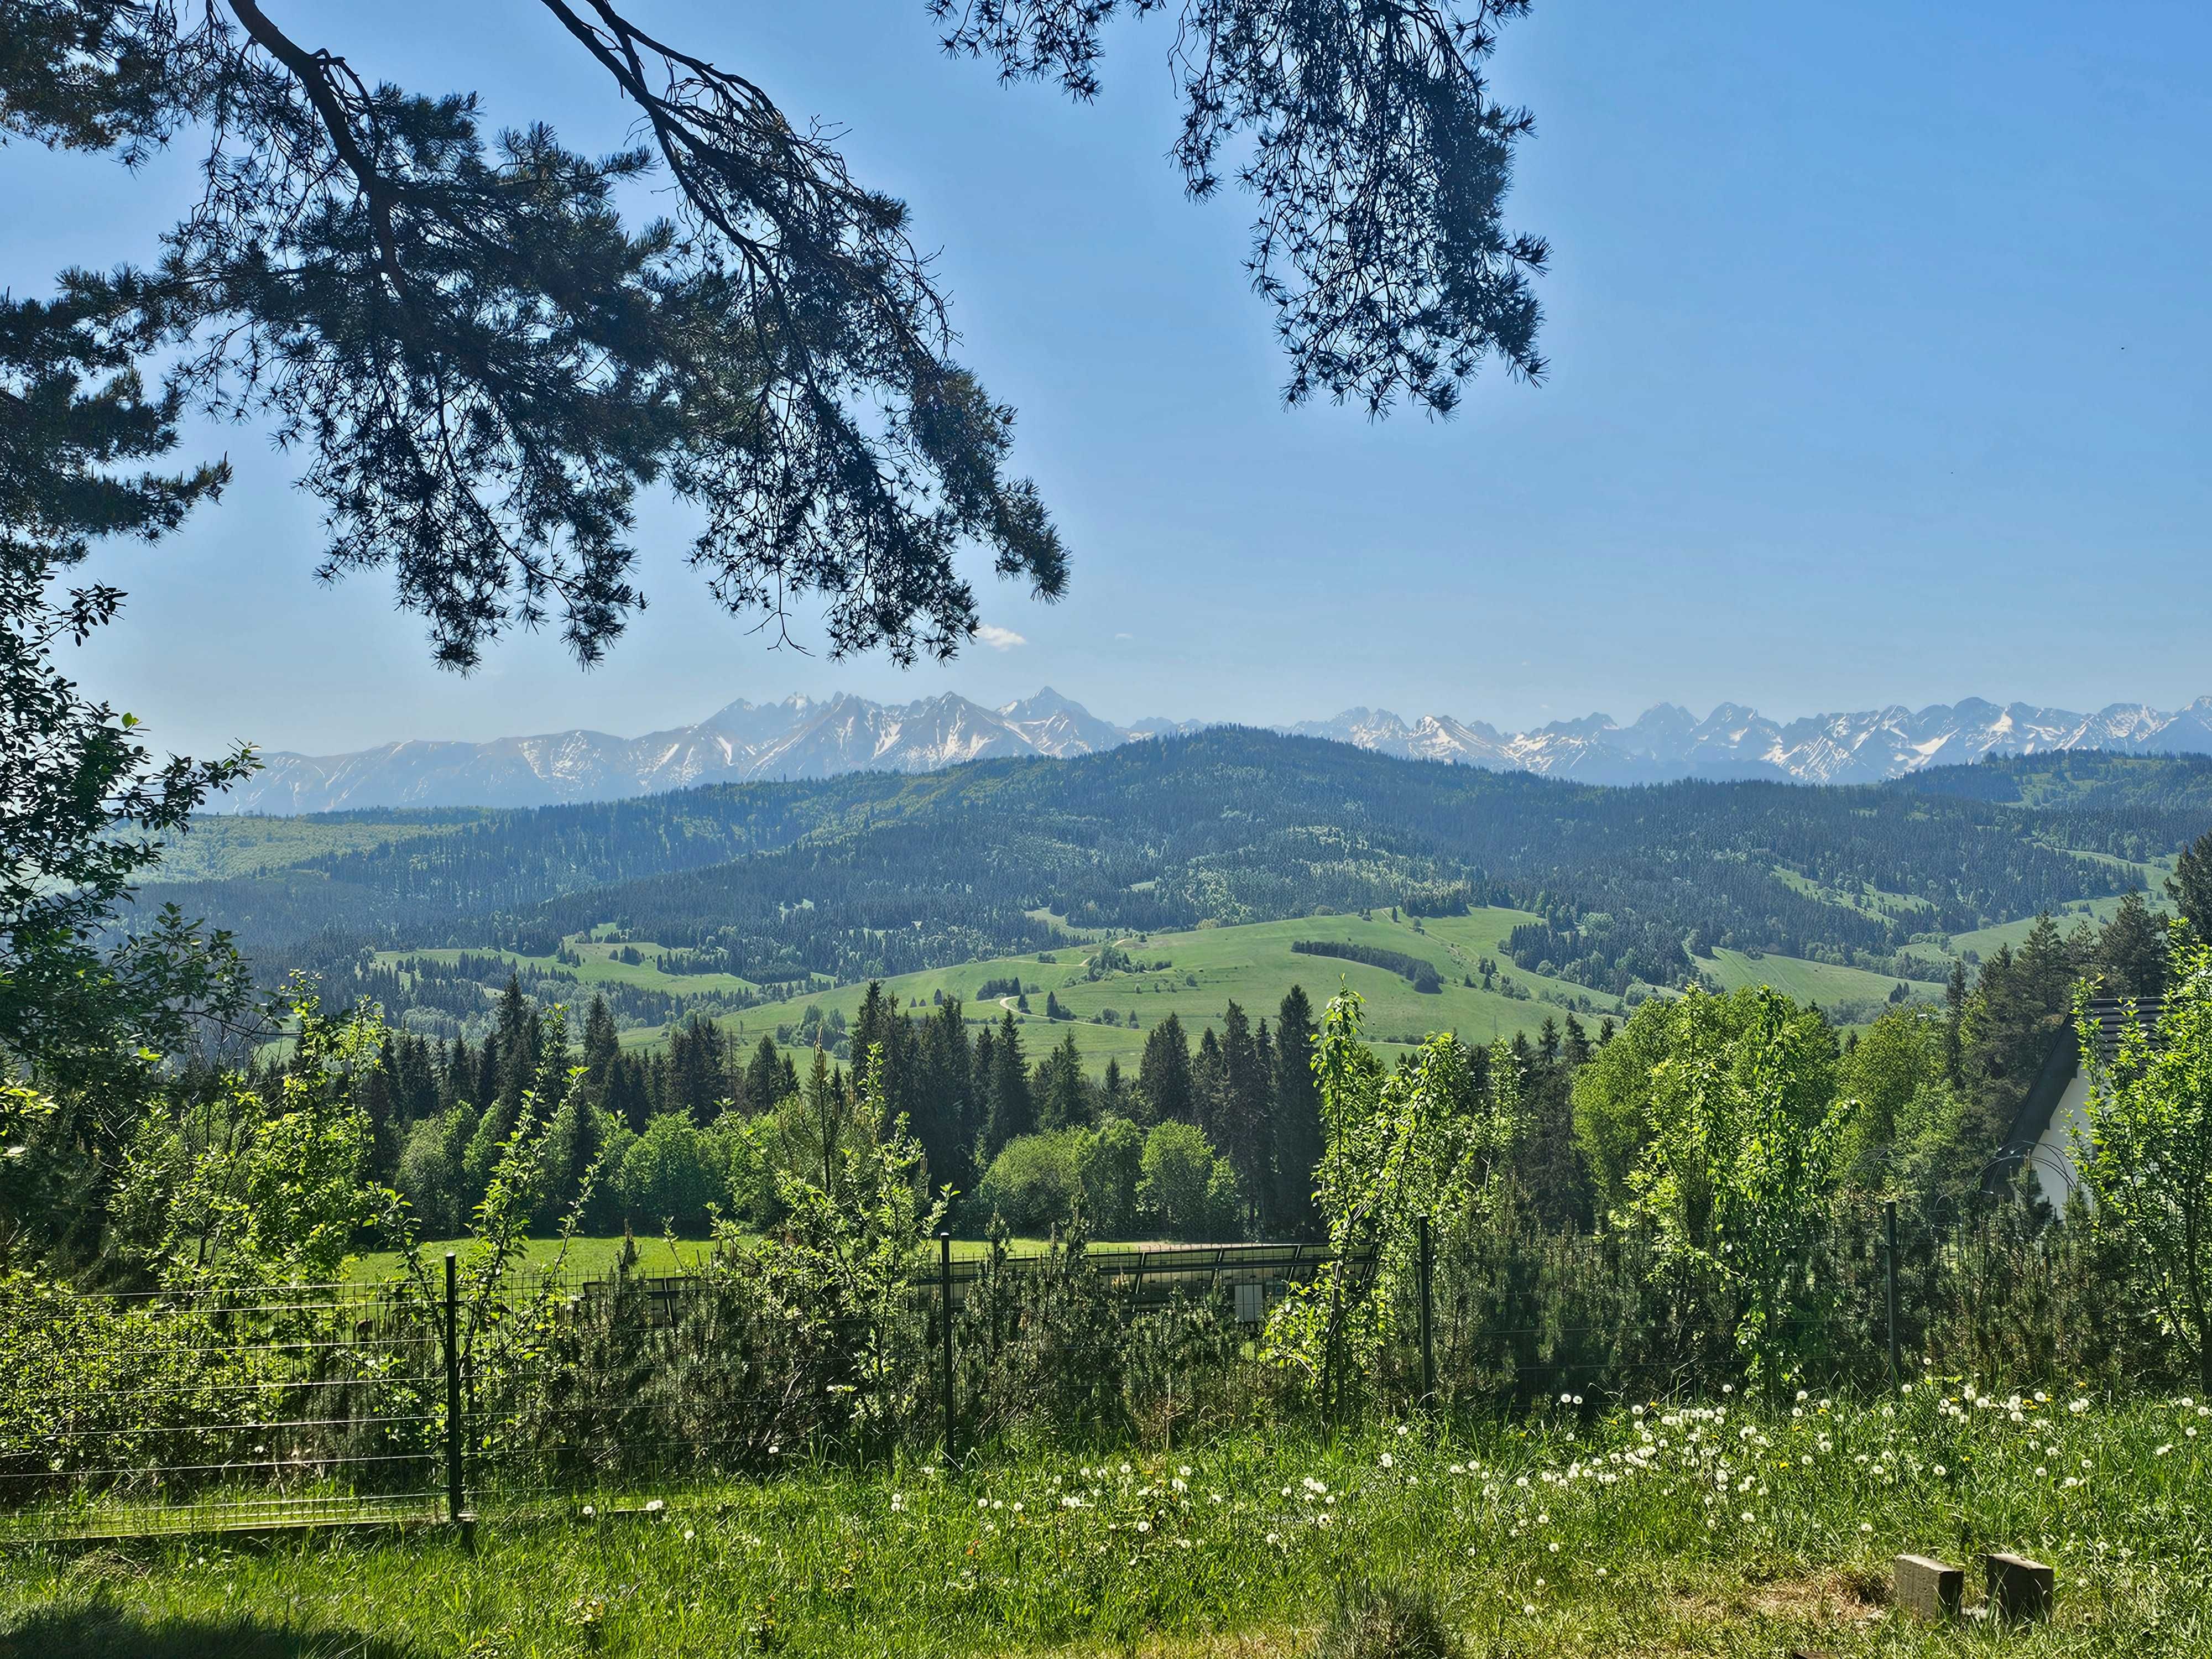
(430, 1176)
(1051, 1350)
(1108, 1163)
(1034, 1182)
(1186, 1189)
(669, 1176)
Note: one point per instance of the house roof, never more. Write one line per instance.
(2109, 1017)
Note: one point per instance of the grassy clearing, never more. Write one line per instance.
(602, 964)
(1984, 941)
(1708, 1531)
(1208, 968)
(1808, 981)
(594, 1258)
(220, 845)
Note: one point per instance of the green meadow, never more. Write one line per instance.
(1656, 1531)
(1195, 976)
(1823, 982)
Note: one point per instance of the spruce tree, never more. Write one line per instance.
(1240, 1126)
(602, 1051)
(627, 1099)
(2131, 951)
(943, 1115)
(1012, 1107)
(1164, 1074)
(1062, 1097)
(1295, 1122)
(1209, 1080)
(1547, 1161)
(765, 1082)
(2191, 885)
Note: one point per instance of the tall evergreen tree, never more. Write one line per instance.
(2131, 951)
(698, 1079)
(1163, 1075)
(1062, 1097)
(629, 1099)
(457, 1074)
(2022, 1003)
(1545, 1160)
(1209, 1085)
(415, 1081)
(1295, 1122)
(602, 1051)
(1012, 1108)
(518, 1052)
(2191, 885)
(945, 1120)
(764, 1082)
(1240, 1126)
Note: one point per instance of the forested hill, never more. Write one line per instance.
(873, 873)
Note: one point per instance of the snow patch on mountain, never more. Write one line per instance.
(802, 738)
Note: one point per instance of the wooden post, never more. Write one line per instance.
(945, 1336)
(1428, 1317)
(1889, 1287)
(454, 1493)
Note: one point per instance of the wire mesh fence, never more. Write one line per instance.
(424, 1400)
(123, 1414)
(437, 1396)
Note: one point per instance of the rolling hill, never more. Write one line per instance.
(723, 898)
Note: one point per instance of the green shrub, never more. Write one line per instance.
(669, 1176)
(1108, 1163)
(1035, 1181)
(1187, 1190)
(430, 1176)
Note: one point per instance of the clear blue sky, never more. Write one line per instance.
(1881, 346)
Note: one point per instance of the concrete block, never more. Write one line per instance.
(2018, 1588)
(1930, 1588)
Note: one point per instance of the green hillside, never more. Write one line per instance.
(1208, 968)
(1846, 992)
(745, 903)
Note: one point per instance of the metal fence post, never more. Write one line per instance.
(453, 1491)
(945, 1336)
(1889, 1285)
(1428, 1316)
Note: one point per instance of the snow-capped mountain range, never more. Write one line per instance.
(802, 738)
(746, 742)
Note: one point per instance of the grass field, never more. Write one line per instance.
(1984, 941)
(1210, 967)
(220, 845)
(1654, 1532)
(601, 964)
(1808, 981)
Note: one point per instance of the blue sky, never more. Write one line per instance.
(1880, 345)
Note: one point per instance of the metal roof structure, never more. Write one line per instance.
(2109, 1017)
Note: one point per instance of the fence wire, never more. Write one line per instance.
(223, 1409)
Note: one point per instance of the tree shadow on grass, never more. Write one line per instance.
(100, 1631)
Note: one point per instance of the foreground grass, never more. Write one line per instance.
(1707, 1531)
